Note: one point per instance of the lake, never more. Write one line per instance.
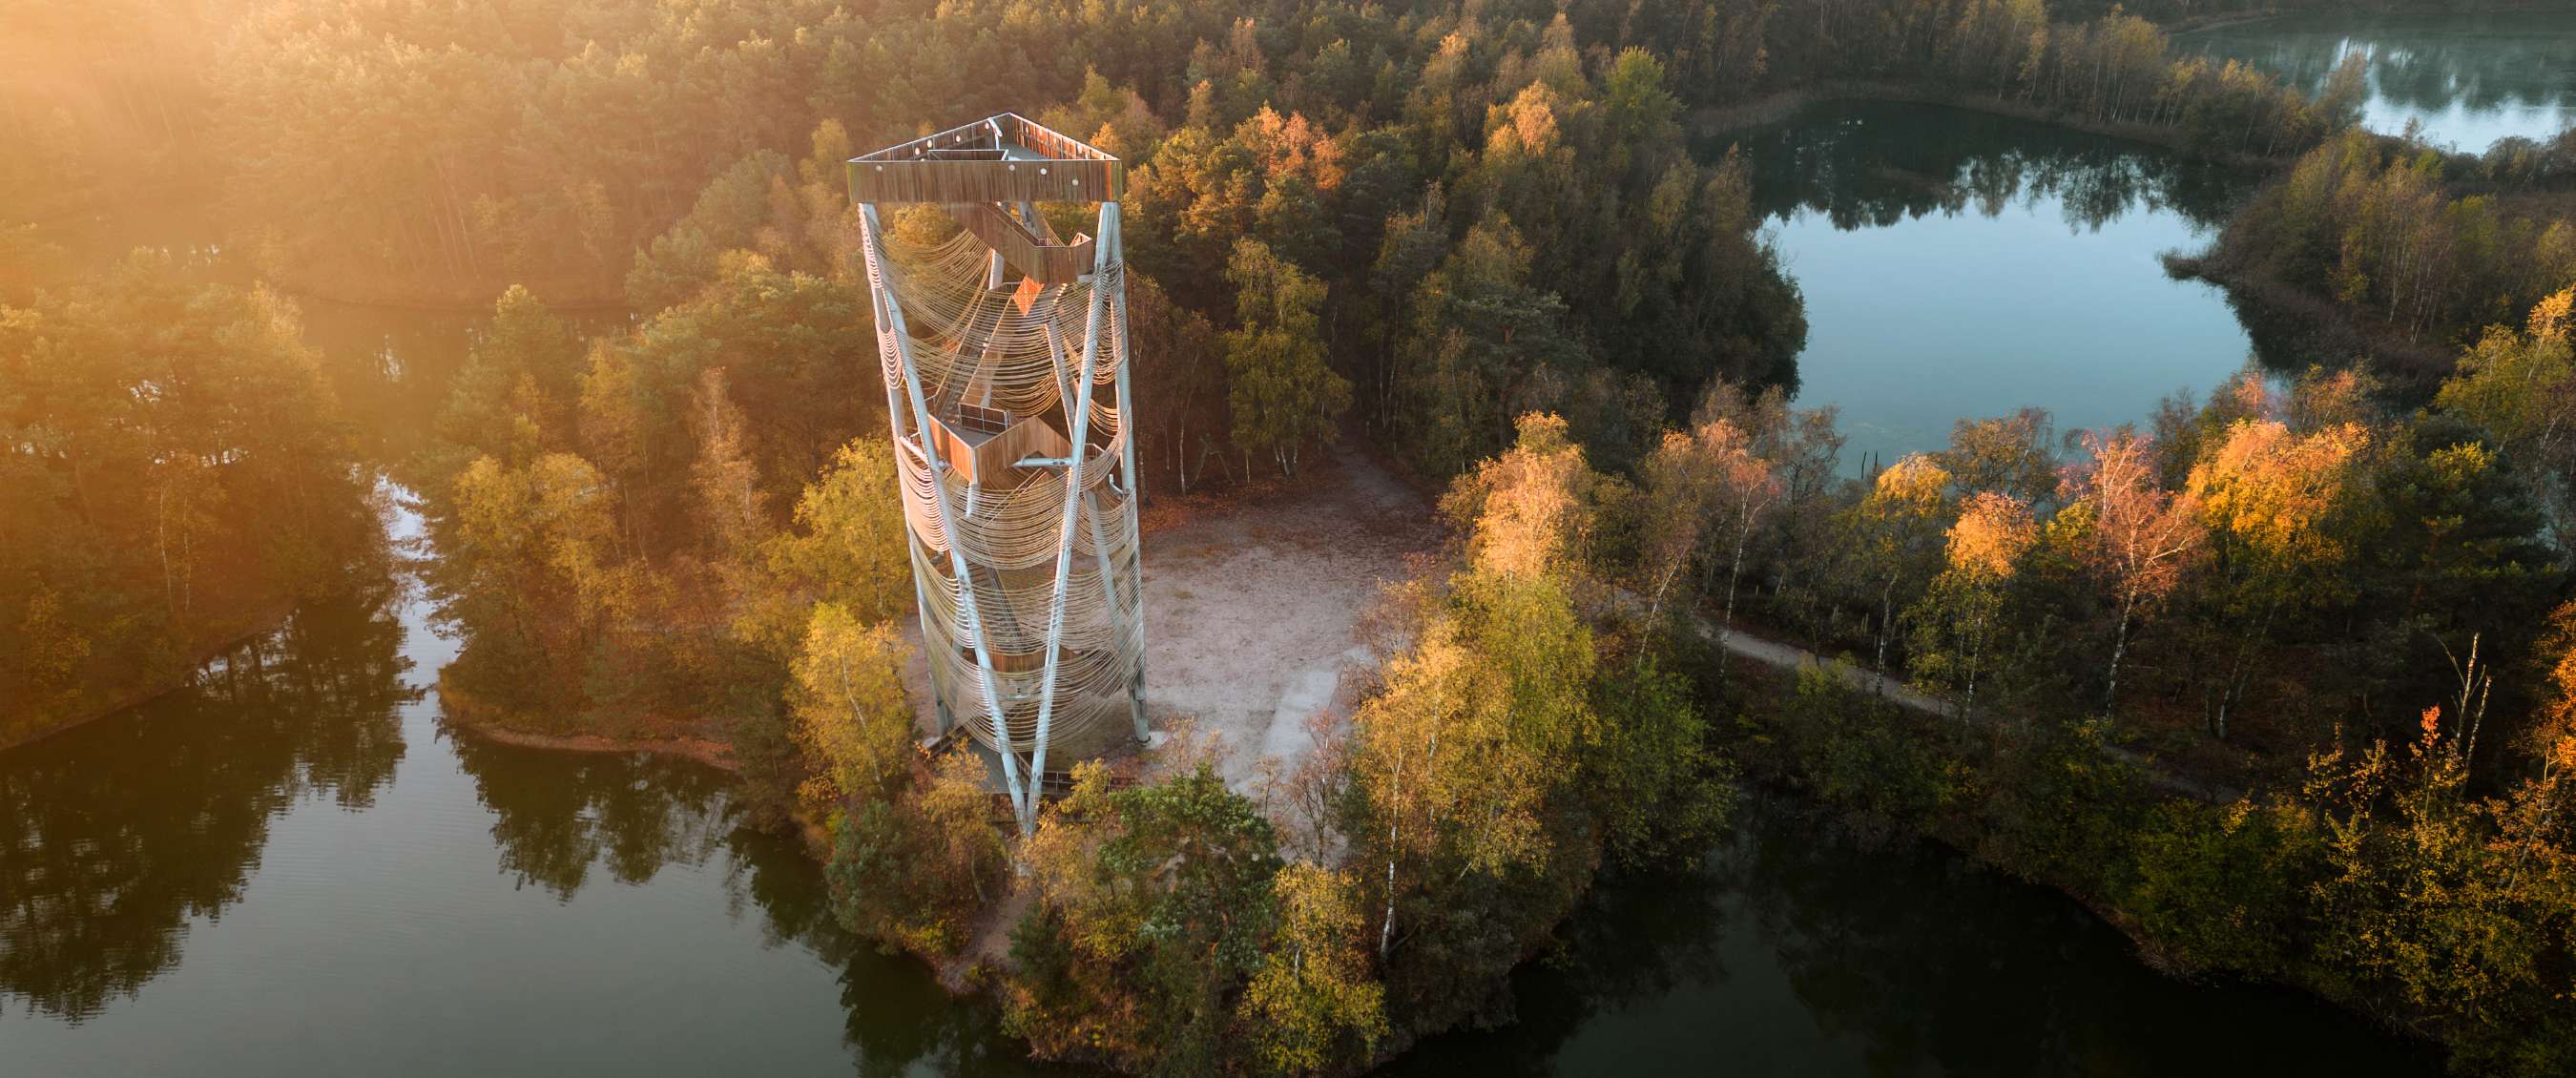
(1801, 949)
(2465, 79)
(1958, 264)
(293, 868)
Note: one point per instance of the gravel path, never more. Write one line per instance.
(1788, 657)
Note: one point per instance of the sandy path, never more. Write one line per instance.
(1788, 657)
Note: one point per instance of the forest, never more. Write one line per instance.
(176, 478)
(1420, 190)
(2281, 680)
(409, 151)
(2421, 248)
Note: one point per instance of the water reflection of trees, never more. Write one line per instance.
(1938, 966)
(2483, 63)
(900, 1021)
(385, 363)
(1902, 951)
(113, 835)
(559, 815)
(562, 817)
(1929, 964)
(1876, 164)
(1634, 938)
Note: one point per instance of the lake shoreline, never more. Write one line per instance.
(2316, 327)
(273, 618)
(1776, 769)
(703, 750)
(2224, 20)
(2336, 334)
(969, 974)
(460, 711)
(1780, 106)
(961, 976)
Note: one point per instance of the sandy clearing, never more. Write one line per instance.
(1250, 605)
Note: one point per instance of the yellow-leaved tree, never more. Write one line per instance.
(852, 717)
(1318, 1002)
(2266, 494)
(1957, 622)
(1897, 530)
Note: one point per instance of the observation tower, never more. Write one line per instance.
(1004, 348)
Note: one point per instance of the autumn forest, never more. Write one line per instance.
(1495, 328)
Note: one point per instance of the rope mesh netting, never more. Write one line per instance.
(972, 341)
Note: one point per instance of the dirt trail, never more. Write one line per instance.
(1790, 657)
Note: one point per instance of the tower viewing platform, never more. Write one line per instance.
(1004, 348)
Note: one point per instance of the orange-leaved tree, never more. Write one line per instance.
(2140, 535)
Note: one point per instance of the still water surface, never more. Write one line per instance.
(1800, 949)
(293, 869)
(2465, 79)
(1957, 264)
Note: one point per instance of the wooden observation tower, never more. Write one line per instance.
(1004, 348)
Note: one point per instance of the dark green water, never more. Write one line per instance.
(293, 869)
(1798, 949)
(2465, 79)
(1957, 264)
